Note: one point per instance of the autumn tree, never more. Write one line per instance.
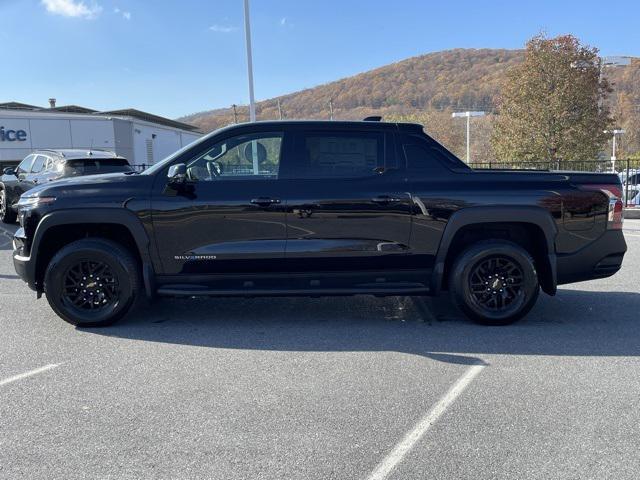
(551, 105)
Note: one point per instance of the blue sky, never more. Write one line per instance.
(178, 57)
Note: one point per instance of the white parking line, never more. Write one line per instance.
(28, 374)
(408, 442)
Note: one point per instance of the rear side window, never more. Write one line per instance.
(337, 155)
(422, 155)
(93, 166)
(38, 164)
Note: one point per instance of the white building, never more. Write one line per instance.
(142, 138)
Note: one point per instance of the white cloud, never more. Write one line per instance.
(222, 28)
(283, 21)
(126, 15)
(73, 8)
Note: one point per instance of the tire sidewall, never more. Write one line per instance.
(460, 288)
(54, 281)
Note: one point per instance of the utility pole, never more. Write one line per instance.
(279, 110)
(330, 109)
(247, 34)
(235, 113)
(468, 116)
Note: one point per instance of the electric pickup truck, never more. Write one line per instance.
(316, 208)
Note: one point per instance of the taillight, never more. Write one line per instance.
(615, 215)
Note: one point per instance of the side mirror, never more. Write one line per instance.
(9, 171)
(177, 175)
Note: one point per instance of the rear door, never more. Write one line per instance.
(347, 208)
(38, 167)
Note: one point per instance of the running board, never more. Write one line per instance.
(194, 291)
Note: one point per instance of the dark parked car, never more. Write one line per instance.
(44, 166)
(317, 208)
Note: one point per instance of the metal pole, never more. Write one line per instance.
(330, 109)
(279, 109)
(468, 136)
(247, 33)
(626, 186)
(613, 155)
(235, 113)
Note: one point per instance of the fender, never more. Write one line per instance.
(498, 214)
(98, 215)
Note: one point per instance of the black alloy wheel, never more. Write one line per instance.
(90, 286)
(494, 282)
(92, 282)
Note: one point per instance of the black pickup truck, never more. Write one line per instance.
(317, 208)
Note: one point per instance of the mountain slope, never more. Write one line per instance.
(453, 79)
(427, 88)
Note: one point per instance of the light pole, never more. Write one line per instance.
(247, 34)
(468, 116)
(615, 132)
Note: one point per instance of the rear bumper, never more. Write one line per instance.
(600, 259)
(23, 264)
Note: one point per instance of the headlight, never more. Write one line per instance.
(32, 202)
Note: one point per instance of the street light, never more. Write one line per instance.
(468, 115)
(247, 34)
(615, 132)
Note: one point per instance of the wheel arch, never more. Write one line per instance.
(481, 221)
(121, 226)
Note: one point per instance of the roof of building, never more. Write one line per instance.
(127, 112)
(18, 106)
(73, 109)
(149, 117)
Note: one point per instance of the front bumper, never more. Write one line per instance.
(600, 259)
(23, 264)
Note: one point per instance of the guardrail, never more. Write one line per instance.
(627, 170)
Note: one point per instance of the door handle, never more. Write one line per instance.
(265, 201)
(385, 199)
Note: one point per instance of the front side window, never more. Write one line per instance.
(245, 157)
(338, 155)
(25, 165)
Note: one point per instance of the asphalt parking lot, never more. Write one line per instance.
(334, 388)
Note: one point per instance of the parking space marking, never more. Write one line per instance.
(28, 374)
(410, 439)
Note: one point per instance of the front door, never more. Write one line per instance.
(233, 218)
(348, 211)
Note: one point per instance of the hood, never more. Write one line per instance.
(94, 188)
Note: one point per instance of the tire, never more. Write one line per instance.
(7, 215)
(79, 295)
(494, 282)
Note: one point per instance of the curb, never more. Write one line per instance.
(632, 213)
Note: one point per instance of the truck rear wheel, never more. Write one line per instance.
(92, 282)
(494, 282)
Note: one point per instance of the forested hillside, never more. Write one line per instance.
(427, 89)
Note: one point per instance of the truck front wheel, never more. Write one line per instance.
(494, 282)
(92, 282)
